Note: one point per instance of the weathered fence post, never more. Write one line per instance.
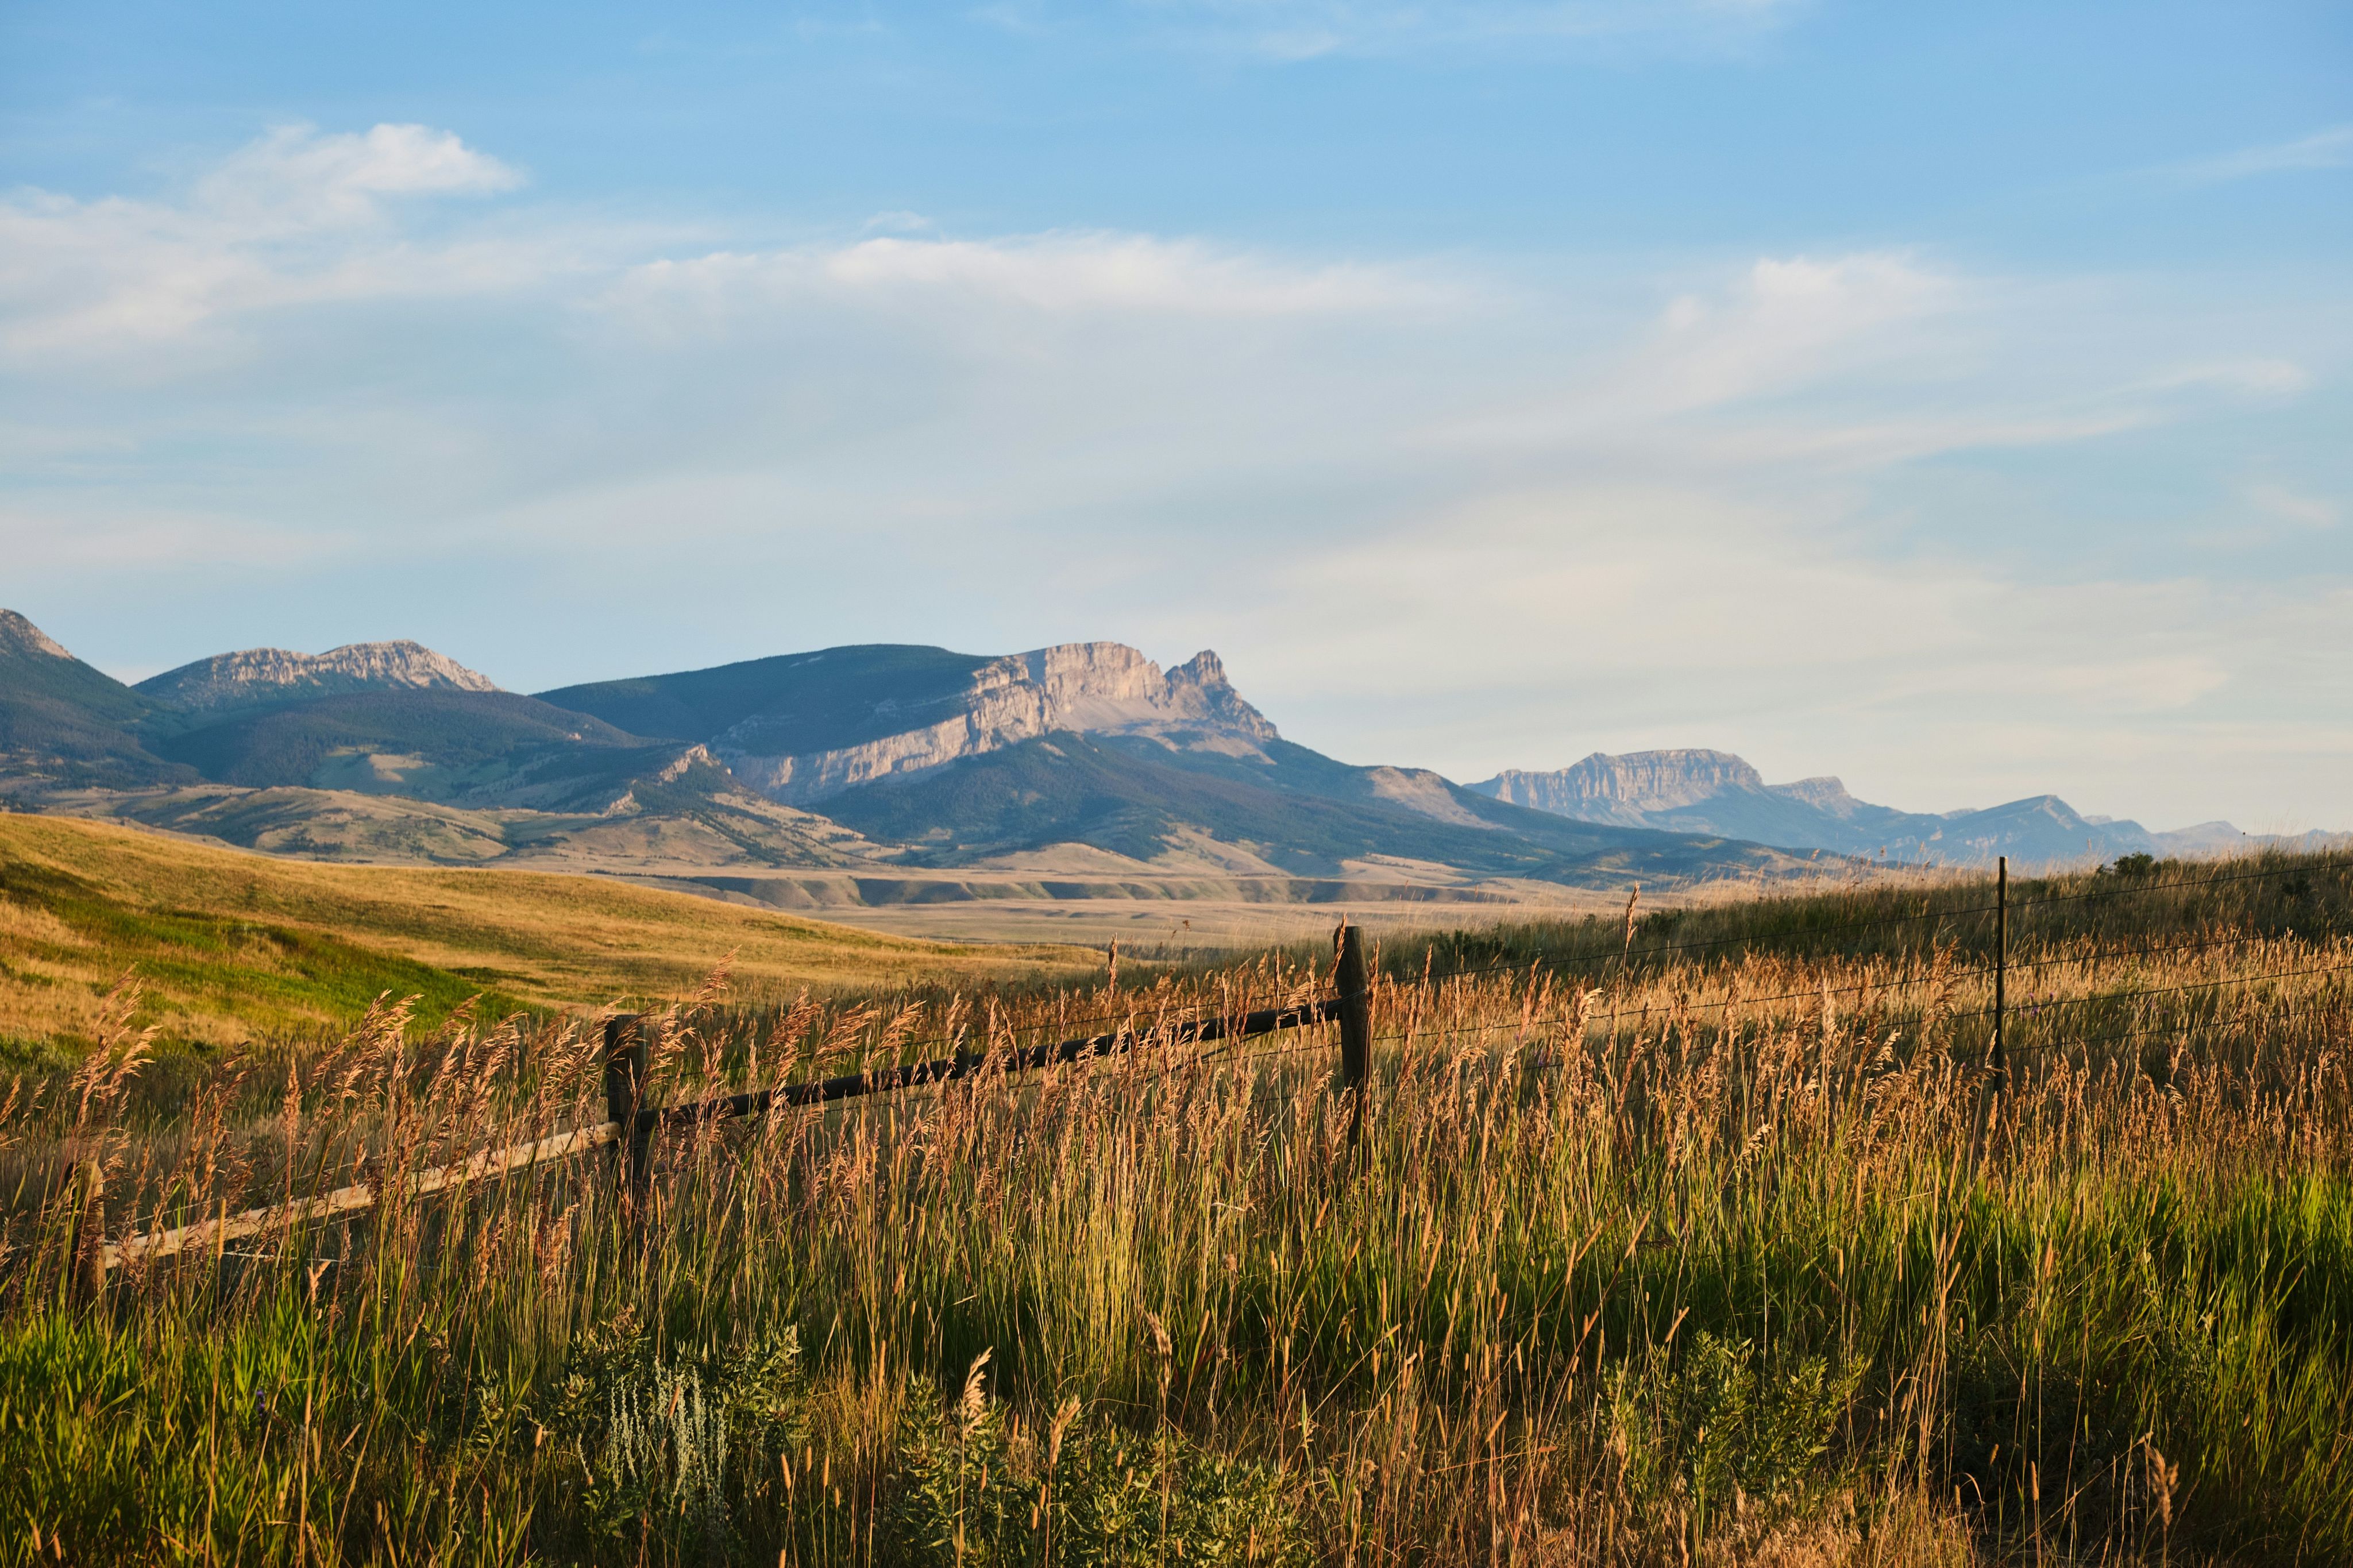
(1356, 1021)
(1998, 1060)
(89, 1231)
(625, 1078)
(1996, 1085)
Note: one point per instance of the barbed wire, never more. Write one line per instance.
(2026, 1012)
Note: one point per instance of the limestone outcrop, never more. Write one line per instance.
(1095, 688)
(1623, 789)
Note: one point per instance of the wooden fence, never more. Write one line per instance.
(633, 1124)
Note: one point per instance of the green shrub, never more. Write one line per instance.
(1090, 1494)
(650, 1440)
(1728, 1432)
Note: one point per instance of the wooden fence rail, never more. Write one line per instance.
(633, 1124)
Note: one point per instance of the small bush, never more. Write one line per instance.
(1728, 1434)
(1090, 1494)
(652, 1440)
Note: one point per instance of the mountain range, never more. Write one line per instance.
(895, 773)
(1717, 793)
(916, 771)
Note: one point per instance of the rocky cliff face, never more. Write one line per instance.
(263, 677)
(1624, 789)
(1097, 688)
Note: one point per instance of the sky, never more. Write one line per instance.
(1951, 398)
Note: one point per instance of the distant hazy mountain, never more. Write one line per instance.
(1716, 791)
(272, 676)
(1286, 808)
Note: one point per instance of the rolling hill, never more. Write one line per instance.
(230, 946)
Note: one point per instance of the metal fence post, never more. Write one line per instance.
(1356, 1021)
(624, 1078)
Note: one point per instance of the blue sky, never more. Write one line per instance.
(1952, 398)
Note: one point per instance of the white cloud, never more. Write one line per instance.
(294, 175)
(2330, 148)
(295, 217)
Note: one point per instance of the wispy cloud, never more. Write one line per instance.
(1058, 274)
(2330, 148)
(2307, 511)
(1290, 30)
(1792, 321)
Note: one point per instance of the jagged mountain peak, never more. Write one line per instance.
(20, 635)
(266, 676)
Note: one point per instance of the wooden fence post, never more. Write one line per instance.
(90, 1232)
(1999, 1058)
(625, 1078)
(1356, 1021)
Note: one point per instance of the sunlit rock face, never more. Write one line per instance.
(1094, 687)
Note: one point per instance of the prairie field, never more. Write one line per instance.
(1710, 1237)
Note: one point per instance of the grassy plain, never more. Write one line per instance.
(1707, 1241)
(230, 947)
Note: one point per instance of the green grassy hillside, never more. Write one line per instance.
(230, 946)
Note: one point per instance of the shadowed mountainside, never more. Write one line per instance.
(1291, 809)
(60, 719)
